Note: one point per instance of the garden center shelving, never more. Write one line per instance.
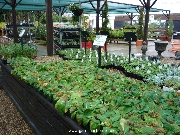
(66, 38)
(28, 28)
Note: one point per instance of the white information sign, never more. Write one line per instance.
(100, 40)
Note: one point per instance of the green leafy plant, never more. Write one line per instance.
(6, 52)
(169, 28)
(116, 33)
(105, 17)
(73, 7)
(139, 29)
(15, 50)
(41, 31)
(107, 102)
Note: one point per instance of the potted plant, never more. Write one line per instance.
(5, 53)
(139, 28)
(90, 38)
(169, 30)
(75, 9)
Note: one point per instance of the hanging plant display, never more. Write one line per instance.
(75, 9)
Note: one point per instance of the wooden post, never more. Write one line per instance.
(49, 27)
(15, 33)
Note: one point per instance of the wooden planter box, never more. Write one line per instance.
(38, 112)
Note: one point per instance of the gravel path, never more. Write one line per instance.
(11, 122)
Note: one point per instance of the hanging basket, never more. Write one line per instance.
(77, 12)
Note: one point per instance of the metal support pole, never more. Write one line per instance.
(129, 49)
(99, 56)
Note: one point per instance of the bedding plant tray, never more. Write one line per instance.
(96, 100)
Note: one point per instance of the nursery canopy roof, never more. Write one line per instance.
(114, 7)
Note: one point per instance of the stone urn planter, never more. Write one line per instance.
(160, 46)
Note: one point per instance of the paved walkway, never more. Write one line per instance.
(123, 47)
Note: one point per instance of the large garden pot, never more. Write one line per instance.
(160, 46)
(88, 45)
(163, 38)
(139, 42)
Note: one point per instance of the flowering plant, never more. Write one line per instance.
(73, 7)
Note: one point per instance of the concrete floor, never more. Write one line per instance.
(123, 47)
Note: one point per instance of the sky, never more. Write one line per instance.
(172, 5)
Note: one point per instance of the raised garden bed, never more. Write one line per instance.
(113, 108)
(39, 113)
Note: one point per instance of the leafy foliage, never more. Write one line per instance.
(169, 28)
(139, 29)
(16, 50)
(107, 102)
(105, 17)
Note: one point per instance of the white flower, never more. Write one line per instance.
(142, 66)
(149, 64)
(148, 71)
(137, 68)
(77, 56)
(160, 67)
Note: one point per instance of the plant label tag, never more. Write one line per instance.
(100, 40)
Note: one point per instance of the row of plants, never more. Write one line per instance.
(103, 101)
(148, 70)
(116, 33)
(66, 26)
(70, 42)
(12, 50)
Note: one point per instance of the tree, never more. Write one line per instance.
(105, 17)
(139, 30)
(147, 5)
